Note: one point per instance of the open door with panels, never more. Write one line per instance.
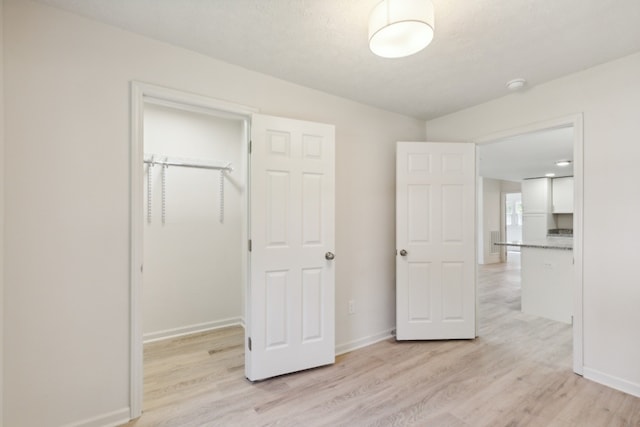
(435, 233)
(290, 312)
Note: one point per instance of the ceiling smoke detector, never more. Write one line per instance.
(516, 84)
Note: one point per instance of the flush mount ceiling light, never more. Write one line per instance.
(399, 28)
(550, 175)
(563, 163)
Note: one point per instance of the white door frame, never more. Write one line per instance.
(576, 121)
(142, 93)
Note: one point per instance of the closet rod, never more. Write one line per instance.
(168, 162)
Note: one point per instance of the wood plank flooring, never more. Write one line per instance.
(517, 373)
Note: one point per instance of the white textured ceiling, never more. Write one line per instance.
(530, 155)
(322, 44)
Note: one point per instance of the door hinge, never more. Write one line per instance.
(249, 343)
(250, 245)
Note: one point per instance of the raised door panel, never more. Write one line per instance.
(418, 214)
(452, 214)
(453, 301)
(419, 285)
(278, 209)
(312, 209)
(312, 304)
(277, 309)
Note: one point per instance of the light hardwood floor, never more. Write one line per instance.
(517, 373)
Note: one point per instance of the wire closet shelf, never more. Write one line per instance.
(152, 160)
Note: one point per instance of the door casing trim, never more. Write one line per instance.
(142, 93)
(576, 121)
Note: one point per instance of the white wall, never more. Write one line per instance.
(193, 272)
(609, 98)
(510, 186)
(564, 220)
(67, 203)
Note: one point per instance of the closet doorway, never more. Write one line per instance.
(189, 220)
(194, 190)
(287, 238)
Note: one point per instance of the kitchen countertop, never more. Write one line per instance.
(562, 243)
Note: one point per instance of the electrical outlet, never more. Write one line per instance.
(352, 307)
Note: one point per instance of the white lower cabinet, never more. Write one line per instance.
(547, 276)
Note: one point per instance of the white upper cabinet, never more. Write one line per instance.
(536, 226)
(563, 195)
(536, 195)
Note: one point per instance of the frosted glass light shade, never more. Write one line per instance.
(400, 28)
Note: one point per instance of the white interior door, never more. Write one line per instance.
(290, 302)
(435, 233)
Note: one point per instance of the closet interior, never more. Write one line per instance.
(194, 207)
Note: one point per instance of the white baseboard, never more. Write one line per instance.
(611, 381)
(110, 419)
(363, 342)
(190, 329)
